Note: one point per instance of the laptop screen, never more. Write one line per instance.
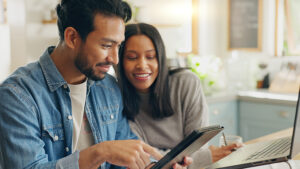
(295, 147)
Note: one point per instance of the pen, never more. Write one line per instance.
(225, 142)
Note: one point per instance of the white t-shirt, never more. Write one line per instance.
(82, 134)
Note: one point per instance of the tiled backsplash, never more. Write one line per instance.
(242, 73)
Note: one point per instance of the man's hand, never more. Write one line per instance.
(186, 162)
(221, 152)
(133, 154)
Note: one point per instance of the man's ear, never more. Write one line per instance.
(72, 38)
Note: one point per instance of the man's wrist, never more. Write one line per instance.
(101, 152)
(92, 156)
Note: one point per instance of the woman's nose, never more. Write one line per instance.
(142, 63)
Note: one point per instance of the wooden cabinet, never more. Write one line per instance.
(257, 119)
(224, 113)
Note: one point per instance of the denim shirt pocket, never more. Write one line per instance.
(54, 139)
(54, 132)
(109, 117)
(108, 122)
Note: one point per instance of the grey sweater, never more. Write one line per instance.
(191, 112)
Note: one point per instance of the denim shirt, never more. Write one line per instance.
(35, 117)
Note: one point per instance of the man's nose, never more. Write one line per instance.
(114, 56)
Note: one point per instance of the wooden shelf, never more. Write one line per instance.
(49, 21)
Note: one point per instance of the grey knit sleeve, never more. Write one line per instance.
(194, 111)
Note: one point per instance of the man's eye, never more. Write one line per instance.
(106, 46)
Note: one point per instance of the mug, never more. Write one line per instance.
(230, 139)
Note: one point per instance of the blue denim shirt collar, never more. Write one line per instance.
(53, 77)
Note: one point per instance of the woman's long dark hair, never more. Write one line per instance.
(159, 91)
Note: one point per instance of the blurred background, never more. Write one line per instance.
(246, 52)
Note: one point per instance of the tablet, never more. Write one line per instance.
(187, 146)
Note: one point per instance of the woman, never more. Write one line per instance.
(163, 105)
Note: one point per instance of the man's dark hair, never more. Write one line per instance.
(159, 92)
(80, 14)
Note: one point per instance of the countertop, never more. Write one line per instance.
(261, 96)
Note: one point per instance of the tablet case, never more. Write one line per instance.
(187, 146)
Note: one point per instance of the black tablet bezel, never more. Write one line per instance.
(197, 135)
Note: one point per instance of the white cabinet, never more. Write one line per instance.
(29, 37)
(38, 37)
(4, 51)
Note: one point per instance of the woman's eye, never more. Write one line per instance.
(151, 57)
(131, 57)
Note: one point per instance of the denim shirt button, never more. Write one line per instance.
(112, 116)
(55, 137)
(70, 117)
(65, 86)
(67, 149)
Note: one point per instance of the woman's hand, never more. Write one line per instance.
(218, 153)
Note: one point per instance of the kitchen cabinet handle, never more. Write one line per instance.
(216, 112)
(284, 114)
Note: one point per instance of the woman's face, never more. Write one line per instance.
(140, 62)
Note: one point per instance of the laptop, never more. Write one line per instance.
(267, 152)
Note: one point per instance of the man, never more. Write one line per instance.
(64, 111)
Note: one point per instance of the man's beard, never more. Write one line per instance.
(90, 73)
(83, 66)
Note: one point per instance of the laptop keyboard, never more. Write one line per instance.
(278, 147)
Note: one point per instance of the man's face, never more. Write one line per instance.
(100, 50)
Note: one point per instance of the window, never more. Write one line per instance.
(291, 44)
(3, 11)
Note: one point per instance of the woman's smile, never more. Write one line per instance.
(142, 76)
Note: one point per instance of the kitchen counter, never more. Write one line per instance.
(221, 97)
(262, 96)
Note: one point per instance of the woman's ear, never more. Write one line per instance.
(72, 38)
